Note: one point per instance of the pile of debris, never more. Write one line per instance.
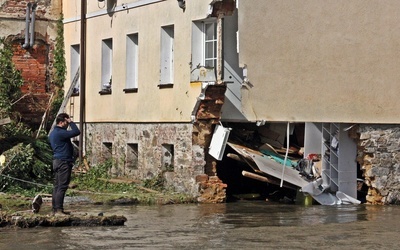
(283, 164)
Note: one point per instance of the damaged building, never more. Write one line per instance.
(227, 97)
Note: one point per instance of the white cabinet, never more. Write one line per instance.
(339, 153)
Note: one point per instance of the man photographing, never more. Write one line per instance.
(63, 159)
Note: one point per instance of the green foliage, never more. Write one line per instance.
(10, 79)
(156, 183)
(96, 180)
(26, 168)
(14, 129)
(27, 158)
(59, 56)
(90, 180)
(60, 68)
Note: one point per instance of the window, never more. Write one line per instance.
(167, 157)
(131, 63)
(106, 66)
(167, 55)
(106, 151)
(204, 50)
(75, 62)
(210, 44)
(131, 161)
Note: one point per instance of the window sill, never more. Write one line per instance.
(131, 90)
(105, 92)
(166, 86)
(75, 94)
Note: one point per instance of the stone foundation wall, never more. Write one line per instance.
(140, 151)
(379, 158)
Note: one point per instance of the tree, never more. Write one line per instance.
(27, 158)
(10, 79)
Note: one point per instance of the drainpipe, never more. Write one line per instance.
(219, 48)
(33, 24)
(28, 9)
(82, 91)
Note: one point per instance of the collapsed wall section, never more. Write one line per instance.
(379, 158)
(208, 114)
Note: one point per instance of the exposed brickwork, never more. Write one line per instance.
(212, 190)
(33, 64)
(208, 114)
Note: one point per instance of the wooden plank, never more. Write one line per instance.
(120, 180)
(129, 181)
(5, 121)
(266, 179)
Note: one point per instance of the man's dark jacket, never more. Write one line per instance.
(60, 141)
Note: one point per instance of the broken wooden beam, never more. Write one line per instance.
(129, 181)
(120, 180)
(234, 157)
(265, 179)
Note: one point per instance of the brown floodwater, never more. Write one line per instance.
(237, 225)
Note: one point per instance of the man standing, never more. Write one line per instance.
(63, 159)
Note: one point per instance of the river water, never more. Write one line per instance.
(237, 225)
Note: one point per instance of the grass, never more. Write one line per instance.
(100, 188)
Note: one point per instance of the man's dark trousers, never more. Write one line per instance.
(62, 177)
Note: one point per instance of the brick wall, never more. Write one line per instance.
(34, 67)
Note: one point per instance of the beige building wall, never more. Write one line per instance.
(150, 103)
(321, 61)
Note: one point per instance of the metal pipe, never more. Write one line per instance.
(219, 48)
(33, 17)
(82, 91)
(28, 10)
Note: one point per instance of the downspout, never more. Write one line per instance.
(82, 91)
(33, 24)
(28, 9)
(219, 48)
